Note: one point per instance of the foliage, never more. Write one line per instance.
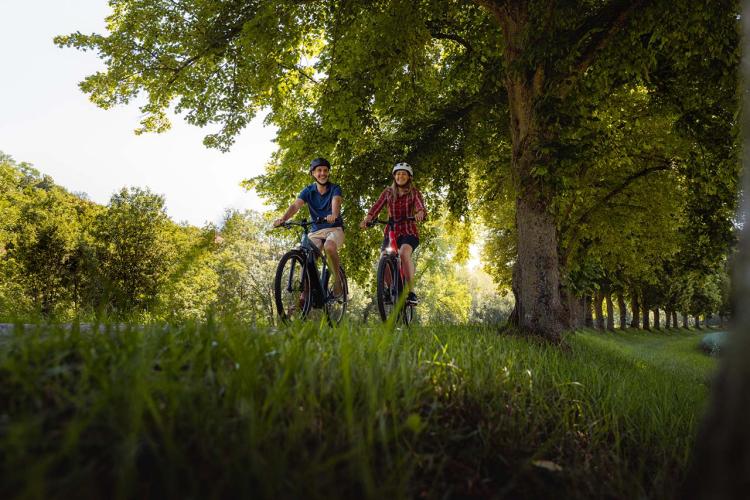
(133, 251)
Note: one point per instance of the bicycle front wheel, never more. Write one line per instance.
(291, 287)
(335, 304)
(387, 293)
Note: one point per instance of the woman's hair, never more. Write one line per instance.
(394, 188)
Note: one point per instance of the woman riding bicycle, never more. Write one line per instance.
(403, 200)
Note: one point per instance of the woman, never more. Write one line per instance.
(403, 200)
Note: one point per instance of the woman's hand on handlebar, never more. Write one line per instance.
(364, 223)
(278, 222)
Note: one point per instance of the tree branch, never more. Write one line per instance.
(617, 190)
(495, 7)
(449, 36)
(603, 27)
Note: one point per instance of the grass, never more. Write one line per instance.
(215, 410)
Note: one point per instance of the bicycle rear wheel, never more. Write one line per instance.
(335, 306)
(291, 287)
(387, 293)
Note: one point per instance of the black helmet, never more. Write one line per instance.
(318, 162)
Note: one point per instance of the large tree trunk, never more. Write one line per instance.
(623, 311)
(610, 310)
(587, 312)
(698, 321)
(537, 277)
(636, 307)
(646, 325)
(668, 320)
(657, 321)
(598, 299)
(685, 320)
(538, 286)
(674, 319)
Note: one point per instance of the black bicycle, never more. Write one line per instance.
(300, 288)
(390, 278)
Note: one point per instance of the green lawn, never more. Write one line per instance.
(306, 411)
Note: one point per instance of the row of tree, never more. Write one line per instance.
(63, 257)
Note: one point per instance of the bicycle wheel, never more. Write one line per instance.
(335, 306)
(387, 293)
(291, 287)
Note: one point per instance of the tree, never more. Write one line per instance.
(501, 82)
(133, 252)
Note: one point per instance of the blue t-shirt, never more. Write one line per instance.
(320, 205)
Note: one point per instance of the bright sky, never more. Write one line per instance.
(47, 121)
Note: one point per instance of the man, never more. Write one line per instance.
(323, 199)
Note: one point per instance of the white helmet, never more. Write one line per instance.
(402, 166)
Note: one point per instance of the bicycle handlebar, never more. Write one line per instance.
(390, 221)
(303, 223)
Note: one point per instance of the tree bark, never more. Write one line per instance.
(645, 318)
(668, 319)
(657, 320)
(598, 299)
(636, 307)
(587, 313)
(573, 309)
(610, 310)
(685, 320)
(674, 319)
(698, 321)
(623, 311)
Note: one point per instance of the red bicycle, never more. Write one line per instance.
(390, 278)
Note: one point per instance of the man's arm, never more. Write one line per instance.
(293, 209)
(335, 209)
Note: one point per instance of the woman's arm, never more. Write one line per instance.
(376, 208)
(420, 212)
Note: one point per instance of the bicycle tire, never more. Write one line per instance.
(335, 310)
(294, 280)
(387, 294)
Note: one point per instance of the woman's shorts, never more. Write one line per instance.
(408, 239)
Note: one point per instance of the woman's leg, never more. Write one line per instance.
(407, 264)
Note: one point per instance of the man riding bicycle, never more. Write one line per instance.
(323, 199)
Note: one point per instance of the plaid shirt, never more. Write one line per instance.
(403, 206)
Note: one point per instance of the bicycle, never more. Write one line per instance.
(390, 278)
(299, 288)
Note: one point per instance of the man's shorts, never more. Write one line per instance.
(335, 234)
(408, 239)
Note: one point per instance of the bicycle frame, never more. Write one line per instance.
(318, 294)
(392, 248)
(311, 254)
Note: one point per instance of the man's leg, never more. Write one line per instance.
(332, 254)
